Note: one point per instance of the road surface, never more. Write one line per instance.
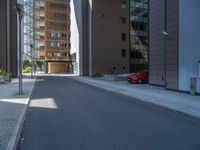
(68, 115)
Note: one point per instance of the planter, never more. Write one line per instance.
(4, 76)
(8, 78)
(2, 79)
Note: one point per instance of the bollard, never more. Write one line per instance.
(199, 68)
(193, 81)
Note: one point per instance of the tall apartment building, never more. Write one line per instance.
(8, 36)
(175, 53)
(52, 34)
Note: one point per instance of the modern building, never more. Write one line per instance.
(8, 36)
(28, 28)
(163, 37)
(174, 56)
(112, 36)
(138, 35)
(51, 35)
(102, 28)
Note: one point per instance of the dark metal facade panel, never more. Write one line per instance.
(107, 37)
(156, 40)
(3, 41)
(13, 38)
(86, 10)
(158, 55)
(8, 36)
(172, 44)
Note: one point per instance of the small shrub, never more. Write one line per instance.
(5, 76)
(27, 70)
(4, 73)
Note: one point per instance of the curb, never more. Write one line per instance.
(12, 144)
(143, 101)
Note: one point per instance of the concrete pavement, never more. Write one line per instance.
(66, 114)
(12, 110)
(174, 101)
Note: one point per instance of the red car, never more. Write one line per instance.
(138, 78)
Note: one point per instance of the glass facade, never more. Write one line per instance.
(28, 28)
(31, 25)
(138, 35)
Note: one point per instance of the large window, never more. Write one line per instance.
(138, 35)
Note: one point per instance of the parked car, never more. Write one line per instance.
(138, 78)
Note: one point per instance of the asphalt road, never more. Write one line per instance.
(68, 115)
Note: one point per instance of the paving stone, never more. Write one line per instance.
(176, 101)
(11, 106)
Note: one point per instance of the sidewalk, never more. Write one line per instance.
(174, 101)
(12, 110)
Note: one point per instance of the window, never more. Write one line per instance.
(51, 34)
(64, 35)
(123, 52)
(51, 44)
(123, 3)
(123, 20)
(57, 54)
(123, 36)
(58, 44)
(138, 35)
(58, 35)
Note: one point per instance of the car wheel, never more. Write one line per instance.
(139, 81)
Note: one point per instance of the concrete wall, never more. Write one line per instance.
(107, 37)
(90, 37)
(189, 42)
(76, 30)
(80, 34)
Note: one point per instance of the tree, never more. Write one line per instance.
(26, 64)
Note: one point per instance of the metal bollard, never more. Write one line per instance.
(193, 82)
(199, 68)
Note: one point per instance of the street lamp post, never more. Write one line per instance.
(31, 60)
(20, 14)
(165, 67)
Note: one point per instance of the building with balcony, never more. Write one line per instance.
(51, 35)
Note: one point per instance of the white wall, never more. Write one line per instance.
(76, 31)
(189, 43)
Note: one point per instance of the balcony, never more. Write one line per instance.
(54, 58)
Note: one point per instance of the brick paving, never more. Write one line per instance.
(171, 100)
(12, 106)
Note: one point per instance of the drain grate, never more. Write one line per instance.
(6, 129)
